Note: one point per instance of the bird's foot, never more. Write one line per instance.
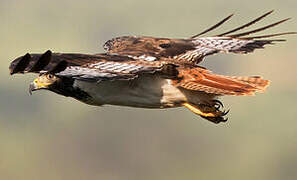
(210, 112)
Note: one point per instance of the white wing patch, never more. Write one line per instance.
(108, 70)
(116, 67)
(147, 58)
(143, 57)
(209, 45)
(77, 71)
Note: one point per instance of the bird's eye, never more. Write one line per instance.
(50, 76)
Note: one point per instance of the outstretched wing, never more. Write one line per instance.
(195, 48)
(83, 66)
(148, 48)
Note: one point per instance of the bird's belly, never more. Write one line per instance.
(146, 91)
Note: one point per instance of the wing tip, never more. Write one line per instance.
(22, 64)
(258, 29)
(213, 27)
(238, 35)
(270, 35)
(18, 65)
(247, 24)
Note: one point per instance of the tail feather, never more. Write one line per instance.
(205, 81)
(255, 81)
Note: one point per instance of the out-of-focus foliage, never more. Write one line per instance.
(47, 136)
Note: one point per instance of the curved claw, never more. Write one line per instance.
(225, 120)
(210, 112)
(219, 118)
(218, 104)
(225, 112)
(216, 119)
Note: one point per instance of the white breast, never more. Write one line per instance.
(148, 91)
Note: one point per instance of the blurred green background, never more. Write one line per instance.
(46, 136)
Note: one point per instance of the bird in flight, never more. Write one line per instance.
(150, 72)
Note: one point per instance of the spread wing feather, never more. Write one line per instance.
(83, 66)
(194, 49)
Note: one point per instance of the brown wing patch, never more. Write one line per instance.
(194, 49)
(144, 47)
(198, 79)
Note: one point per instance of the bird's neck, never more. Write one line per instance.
(65, 87)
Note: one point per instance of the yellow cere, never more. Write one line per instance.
(41, 84)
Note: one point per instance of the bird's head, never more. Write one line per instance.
(45, 81)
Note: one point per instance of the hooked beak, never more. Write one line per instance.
(32, 87)
(37, 85)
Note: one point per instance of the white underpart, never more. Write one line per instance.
(146, 91)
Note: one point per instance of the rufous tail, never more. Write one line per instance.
(198, 79)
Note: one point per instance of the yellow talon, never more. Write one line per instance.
(196, 110)
(210, 113)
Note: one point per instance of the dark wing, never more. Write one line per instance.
(83, 66)
(195, 48)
